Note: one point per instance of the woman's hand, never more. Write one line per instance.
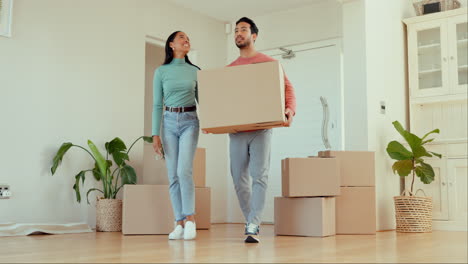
(157, 146)
(289, 116)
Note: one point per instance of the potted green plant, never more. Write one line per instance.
(108, 208)
(413, 213)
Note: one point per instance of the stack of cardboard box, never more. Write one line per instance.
(333, 193)
(147, 209)
(355, 207)
(307, 205)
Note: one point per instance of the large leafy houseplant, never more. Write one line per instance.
(412, 161)
(104, 169)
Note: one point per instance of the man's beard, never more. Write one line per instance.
(243, 45)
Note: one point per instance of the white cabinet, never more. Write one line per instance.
(457, 171)
(438, 78)
(437, 54)
(449, 188)
(458, 54)
(438, 189)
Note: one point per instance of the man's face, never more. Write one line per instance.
(243, 36)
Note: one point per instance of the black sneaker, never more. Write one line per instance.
(252, 231)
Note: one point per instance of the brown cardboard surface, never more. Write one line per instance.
(309, 216)
(199, 168)
(357, 167)
(203, 207)
(147, 210)
(355, 211)
(240, 98)
(308, 177)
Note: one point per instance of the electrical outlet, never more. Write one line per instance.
(5, 192)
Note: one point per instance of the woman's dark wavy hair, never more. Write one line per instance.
(170, 53)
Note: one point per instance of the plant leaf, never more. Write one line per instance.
(403, 167)
(128, 175)
(413, 140)
(96, 173)
(436, 154)
(433, 131)
(425, 173)
(118, 150)
(427, 141)
(76, 186)
(148, 139)
(420, 151)
(397, 151)
(102, 165)
(59, 156)
(90, 190)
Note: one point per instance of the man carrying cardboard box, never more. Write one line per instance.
(250, 150)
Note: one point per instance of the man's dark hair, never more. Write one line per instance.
(253, 27)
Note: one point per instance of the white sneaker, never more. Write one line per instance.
(190, 231)
(177, 233)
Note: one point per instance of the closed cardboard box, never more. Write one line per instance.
(355, 211)
(357, 167)
(203, 207)
(199, 168)
(308, 177)
(310, 216)
(147, 210)
(240, 98)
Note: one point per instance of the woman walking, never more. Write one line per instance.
(175, 87)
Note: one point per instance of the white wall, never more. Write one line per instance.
(354, 75)
(316, 22)
(386, 81)
(295, 26)
(73, 71)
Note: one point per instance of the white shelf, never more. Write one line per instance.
(430, 71)
(462, 41)
(448, 141)
(463, 67)
(429, 46)
(438, 99)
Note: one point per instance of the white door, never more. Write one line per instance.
(315, 71)
(428, 63)
(458, 54)
(457, 172)
(436, 189)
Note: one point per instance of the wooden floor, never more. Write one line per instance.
(224, 243)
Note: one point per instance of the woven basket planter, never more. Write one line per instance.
(413, 214)
(109, 215)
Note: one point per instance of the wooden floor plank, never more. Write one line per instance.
(224, 243)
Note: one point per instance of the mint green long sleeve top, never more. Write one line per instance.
(174, 85)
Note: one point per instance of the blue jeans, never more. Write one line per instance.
(250, 152)
(179, 138)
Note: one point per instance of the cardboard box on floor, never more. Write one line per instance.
(306, 177)
(307, 216)
(355, 211)
(241, 98)
(199, 168)
(357, 167)
(203, 207)
(147, 209)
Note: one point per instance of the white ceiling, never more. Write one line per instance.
(231, 10)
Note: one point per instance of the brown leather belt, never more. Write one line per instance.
(181, 109)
